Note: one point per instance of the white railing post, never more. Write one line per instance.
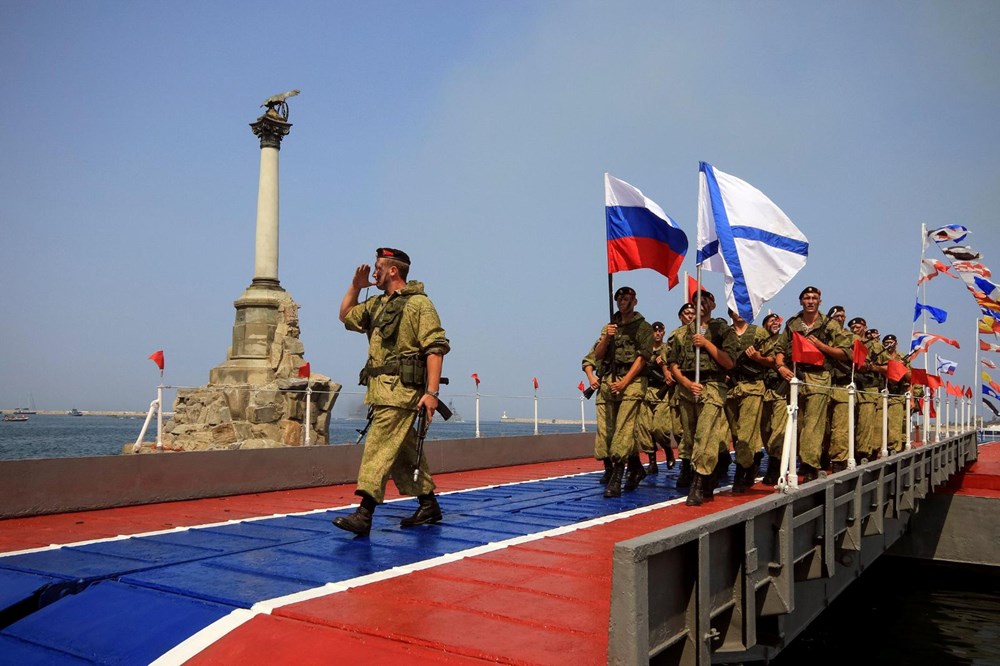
(477, 411)
(536, 413)
(885, 422)
(159, 417)
(583, 420)
(909, 421)
(852, 392)
(145, 425)
(308, 409)
(789, 477)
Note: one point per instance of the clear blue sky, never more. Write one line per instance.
(475, 136)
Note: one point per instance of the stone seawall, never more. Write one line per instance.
(34, 487)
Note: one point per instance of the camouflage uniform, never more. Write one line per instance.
(655, 384)
(663, 413)
(703, 420)
(775, 409)
(814, 394)
(744, 401)
(402, 329)
(897, 405)
(868, 426)
(616, 428)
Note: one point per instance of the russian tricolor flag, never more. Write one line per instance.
(640, 234)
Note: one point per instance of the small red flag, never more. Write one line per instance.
(692, 289)
(996, 387)
(582, 387)
(535, 380)
(860, 353)
(968, 391)
(934, 381)
(933, 411)
(918, 376)
(985, 346)
(948, 388)
(896, 370)
(475, 375)
(804, 351)
(157, 358)
(304, 371)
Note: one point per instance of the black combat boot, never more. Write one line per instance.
(427, 512)
(669, 451)
(771, 475)
(808, 472)
(652, 469)
(721, 471)
(695, 495)
(838, 466)
(636, 473)
(607, 472)
(614, 488)
(685, 476)
(709, 482)
(742, 479)
(755, 471)
(359, 522)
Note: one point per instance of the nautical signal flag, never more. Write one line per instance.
(475, 376)
(944, 366)
(534, 380)
(931, 268)
(989, 380)
(989, 392)
(157, 358)
(804, 351)
(937, 314)
(860, 353)
(640, 234)
(985, 346)
(922, 341)
(744, 235)
(895, 370)
(992, 408)
(304, 371)
(951, 233)
(989, 364)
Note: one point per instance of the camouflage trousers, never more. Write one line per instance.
(839, 424)
(706, 432)
(814, 401)
(644, 432)
(744, 408)
(897, 422)
(773, 422)
(869, 426)
(618, 421)
(391, 450)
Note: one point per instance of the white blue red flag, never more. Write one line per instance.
(922, 341)
(640, 234)
(988, 391)
(944, 366)
(744, 235)
(950, 233)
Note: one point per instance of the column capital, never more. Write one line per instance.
(271, 129)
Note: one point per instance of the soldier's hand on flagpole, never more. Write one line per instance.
(786, 373)
(695, 388)
(611, 330)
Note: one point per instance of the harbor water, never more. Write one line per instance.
(899, 611)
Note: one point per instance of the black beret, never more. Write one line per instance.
(394, 254)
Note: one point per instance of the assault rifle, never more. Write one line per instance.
(442, 409)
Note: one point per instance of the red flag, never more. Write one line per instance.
(535, 381)
(860, 353)
(304, 371)
(950, 388)
(896, 370)
(985, 346)
(918, 376)
(996, 387)
(933, 411)
(804, 351)
(475, 375)
(968, 391)
(157, 358)
(933, 381)
(692, 289)
(582, 387)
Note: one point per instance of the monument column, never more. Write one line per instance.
(271, 128)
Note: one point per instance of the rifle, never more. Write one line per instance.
(442, 409)
(422, 428)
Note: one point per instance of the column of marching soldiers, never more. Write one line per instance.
(713, 383)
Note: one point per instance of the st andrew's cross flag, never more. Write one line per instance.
(744, 235)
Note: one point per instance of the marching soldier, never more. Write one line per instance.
(744, 401)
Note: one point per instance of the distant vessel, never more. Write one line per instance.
(455, 416)
(74, 412)
(30, 409)
(16, 416)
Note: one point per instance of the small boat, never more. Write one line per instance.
(74, 412)
(15, 417)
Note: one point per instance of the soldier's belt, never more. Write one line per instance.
(705, 376)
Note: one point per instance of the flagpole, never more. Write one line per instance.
(477, 411)
(536, 410)
(583, 418)
(697, 314)
(309, 392)
(976, 378)
(923, 286)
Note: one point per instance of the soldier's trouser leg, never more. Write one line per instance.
(662, 426)
(711, 429)
(777, 420)
(391, 449)
(866, 430)
(746, 429)
(896, 415)
(688, 412)
(623, 443)
(644, 427)
(605, 428)
(812, 425)
(684, 446)
(839, 431)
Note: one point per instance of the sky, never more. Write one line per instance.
(474, 136)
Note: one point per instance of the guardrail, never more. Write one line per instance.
(739, 585)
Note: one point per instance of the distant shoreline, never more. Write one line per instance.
(119, 414)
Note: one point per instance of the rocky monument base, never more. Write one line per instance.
(256, 398)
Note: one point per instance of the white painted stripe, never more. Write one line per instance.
(204, 638)
(268, 605)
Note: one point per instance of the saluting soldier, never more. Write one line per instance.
(406, 348)
(623, 389)
(744, 400)
(702, 403)
(814, 396)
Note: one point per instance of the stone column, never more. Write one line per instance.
(271, 131)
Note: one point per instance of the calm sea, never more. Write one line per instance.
(898, 612)
(59, 436)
